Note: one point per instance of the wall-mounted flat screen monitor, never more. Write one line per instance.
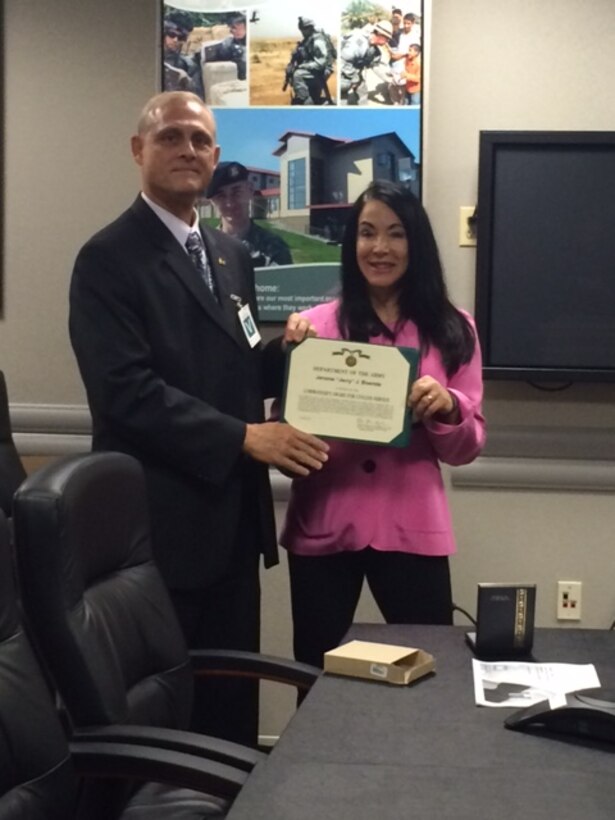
(545, 276)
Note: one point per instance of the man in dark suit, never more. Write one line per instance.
(175, 375)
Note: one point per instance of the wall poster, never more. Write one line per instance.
(312, 102)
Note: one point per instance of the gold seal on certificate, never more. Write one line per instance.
(350, 390)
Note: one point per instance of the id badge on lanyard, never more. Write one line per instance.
(247, 322)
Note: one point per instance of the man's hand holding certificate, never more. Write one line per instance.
(350, 390)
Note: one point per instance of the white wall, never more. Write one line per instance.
(76, 76)
(542, 64)
(77, 73)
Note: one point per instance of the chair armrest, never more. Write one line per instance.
(236, 663)
(209, 748)
(145, 764)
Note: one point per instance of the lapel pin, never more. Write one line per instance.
(221, 261)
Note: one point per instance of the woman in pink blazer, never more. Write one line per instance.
(374, 512)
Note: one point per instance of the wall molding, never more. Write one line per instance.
(574, 443)
(51, 429)
(280, 485)
(50, 418)
(545, 458)
(580, 459)
(536, 474)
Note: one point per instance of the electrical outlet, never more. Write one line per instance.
(467, 230)
(569, 600)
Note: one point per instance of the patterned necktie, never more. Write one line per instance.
(196, 252)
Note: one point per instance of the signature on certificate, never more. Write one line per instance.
(369, 425)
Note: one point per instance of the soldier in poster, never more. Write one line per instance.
(361, 50)
(182, 72)
(232, 192)
(310, 66)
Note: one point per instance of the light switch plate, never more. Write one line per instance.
(467, 232)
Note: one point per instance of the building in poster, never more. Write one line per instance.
(322, 176)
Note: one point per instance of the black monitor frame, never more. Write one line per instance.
(491, 143)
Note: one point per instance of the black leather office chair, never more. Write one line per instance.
(35, 764)
(101, 615)
(41, 778)
(12, 472)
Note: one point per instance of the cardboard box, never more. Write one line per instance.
(379, 661)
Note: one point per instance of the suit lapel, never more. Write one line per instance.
(222, 274)
(178, 261)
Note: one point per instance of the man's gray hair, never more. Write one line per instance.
(158, 101)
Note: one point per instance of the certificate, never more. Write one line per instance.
(350, 390)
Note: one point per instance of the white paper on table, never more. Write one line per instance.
(517, 684)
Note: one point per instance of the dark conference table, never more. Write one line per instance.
(364, 750)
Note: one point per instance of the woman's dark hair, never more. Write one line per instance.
(423, 297)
